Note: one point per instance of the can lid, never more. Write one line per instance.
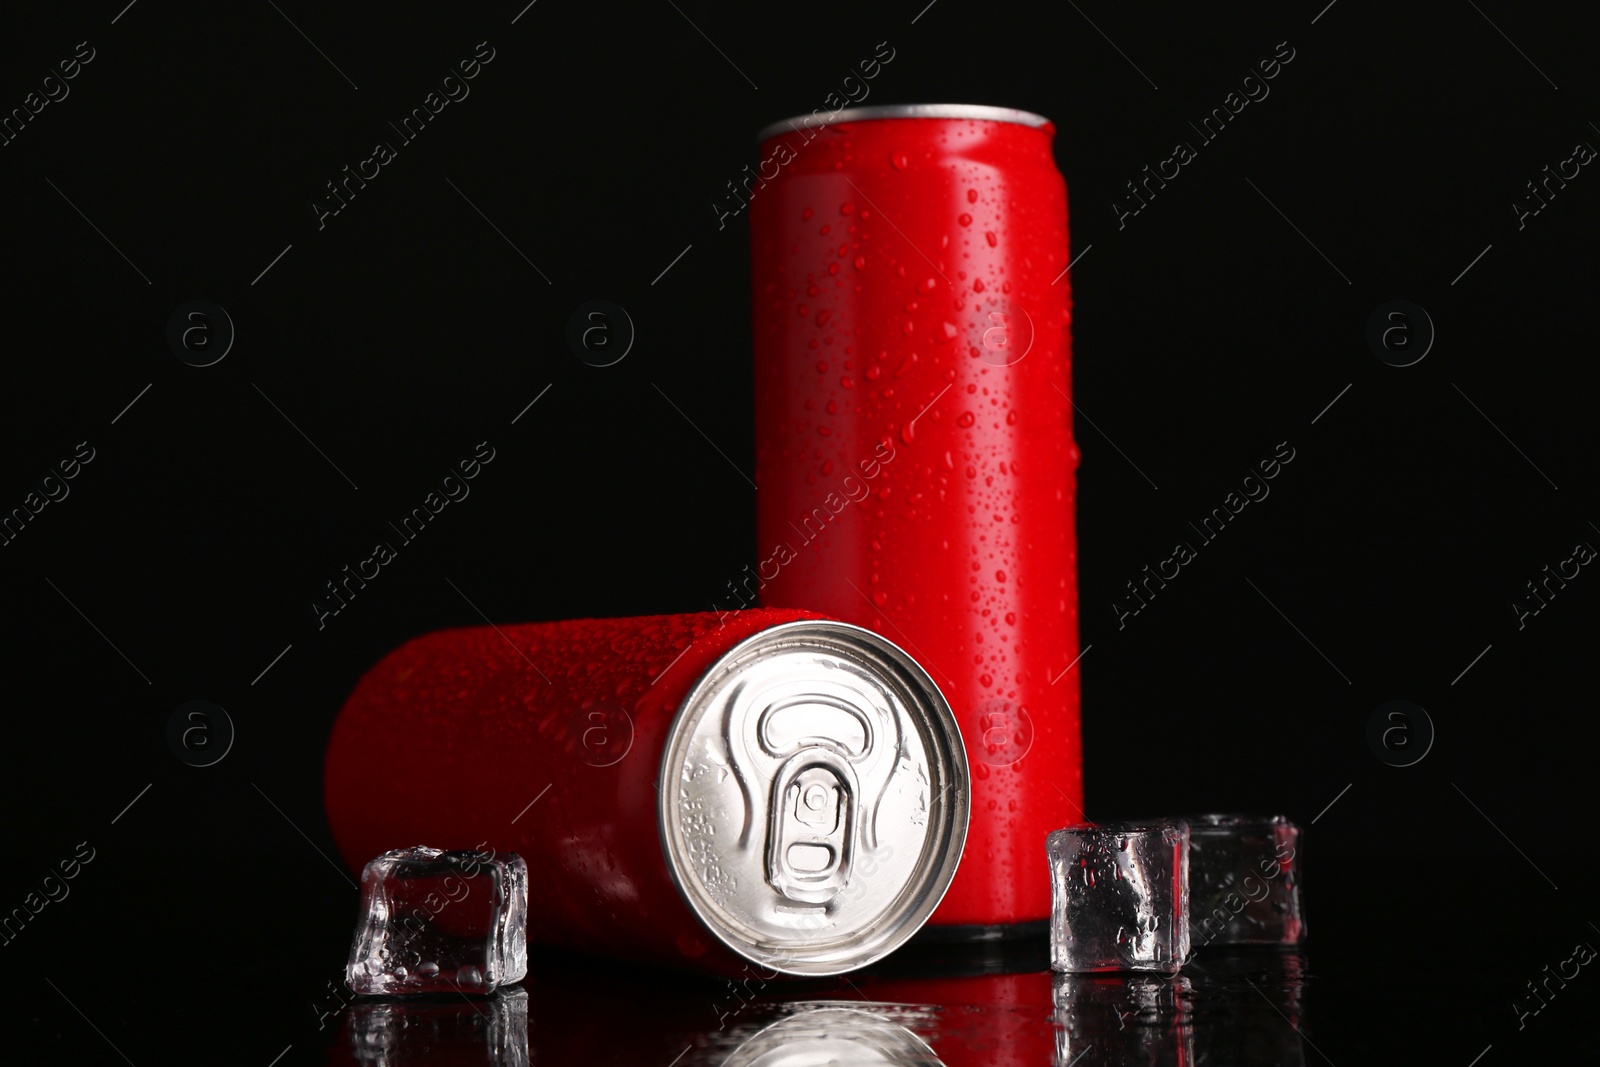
(907, 111)
(814, 797)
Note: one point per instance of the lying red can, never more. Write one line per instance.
(914, 440)
(766, 787)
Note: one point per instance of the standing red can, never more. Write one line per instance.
(762, 791)
(914, 444)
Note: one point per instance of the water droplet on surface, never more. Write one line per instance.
(965, 420)
(989, 235)
(900, 161)
(964, 219)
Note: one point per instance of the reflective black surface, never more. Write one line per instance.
(1228, 1006)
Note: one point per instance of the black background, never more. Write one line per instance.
(1207, 330)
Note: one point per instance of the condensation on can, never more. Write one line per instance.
(670, 781)
(911, 318)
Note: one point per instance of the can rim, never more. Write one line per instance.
(944, 742)
(983, 112)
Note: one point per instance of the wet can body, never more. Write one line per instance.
(913, 439)
(765, 790)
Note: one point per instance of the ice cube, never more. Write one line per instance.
(436, 922)
(1120, 897)
(1244, 881)
(399, 1033)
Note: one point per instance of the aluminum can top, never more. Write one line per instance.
(981, 112)
(814, 797)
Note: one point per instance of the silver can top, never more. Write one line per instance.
(982, 112)
(814, 797)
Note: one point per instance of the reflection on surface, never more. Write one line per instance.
(480, 1031)
(826, 1034)
(1124, 1018)
(997, 1020)
(1248, 1006)
(1228, 1006)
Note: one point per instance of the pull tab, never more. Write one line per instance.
(812, 833)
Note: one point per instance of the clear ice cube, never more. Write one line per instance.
(1244, 881)
(437, 922)
(1120, 897)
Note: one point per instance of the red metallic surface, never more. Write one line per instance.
(913, 482)
(498, 737)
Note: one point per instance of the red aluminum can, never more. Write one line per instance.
(762, 791)
(914, 445)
